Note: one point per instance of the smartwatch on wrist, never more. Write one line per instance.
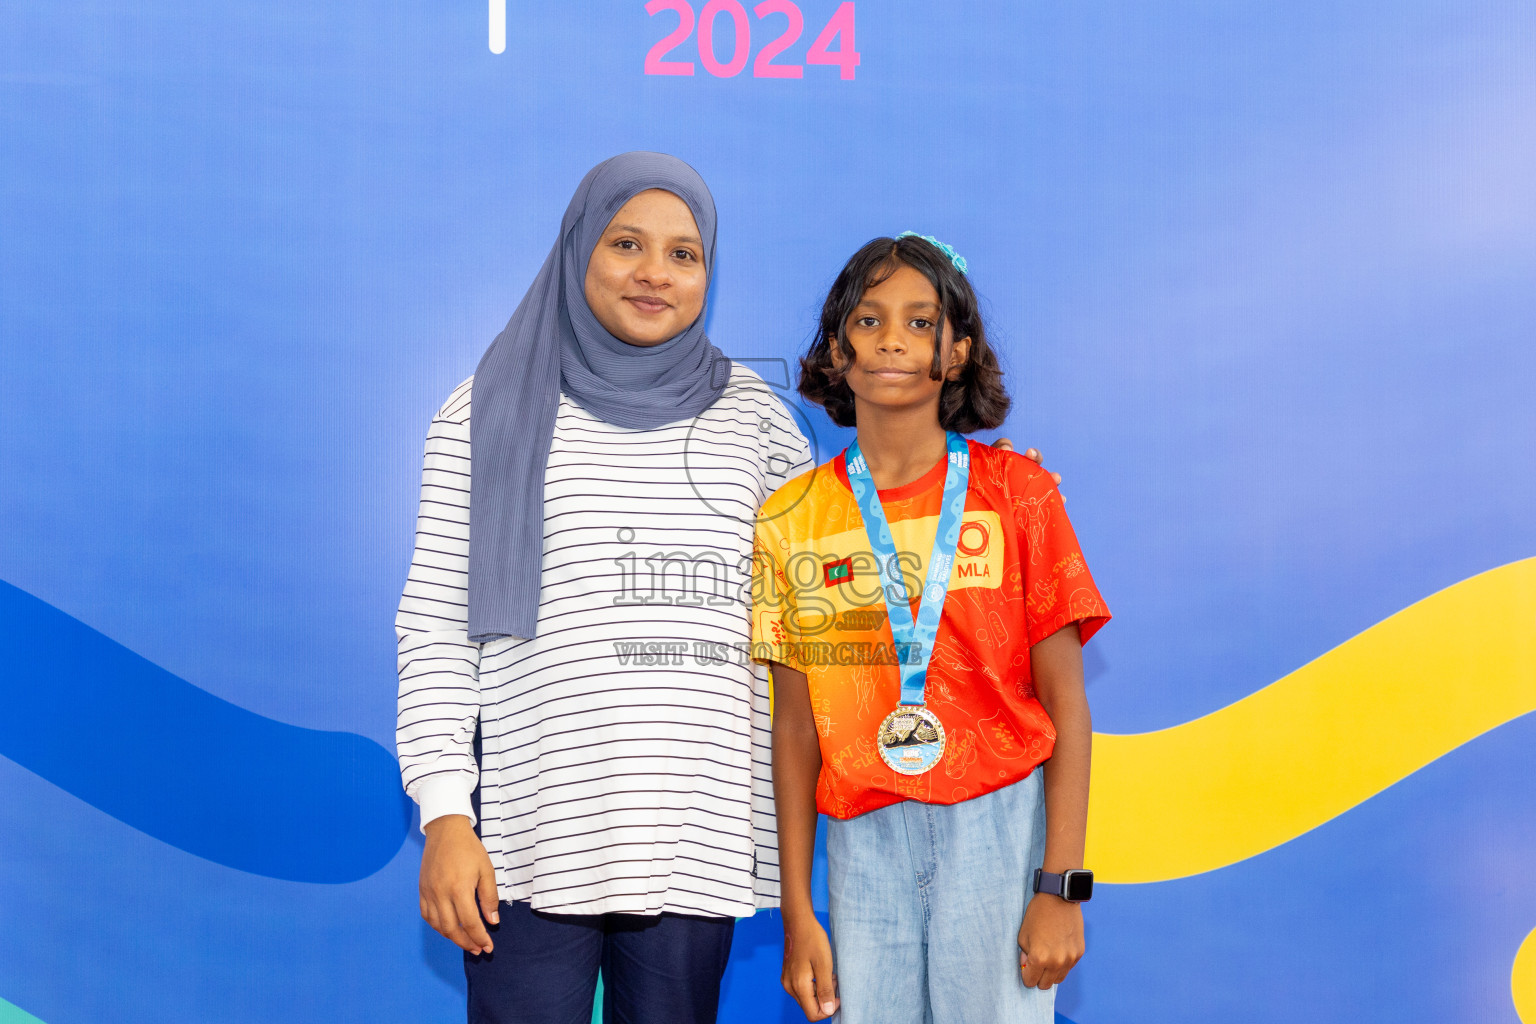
(1074, 885)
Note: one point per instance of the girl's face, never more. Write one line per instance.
(646, 279)
(891, 331)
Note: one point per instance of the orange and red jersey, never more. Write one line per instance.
(1018, 577)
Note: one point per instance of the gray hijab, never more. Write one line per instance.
(553, 343)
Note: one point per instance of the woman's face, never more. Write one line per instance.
(646, 279)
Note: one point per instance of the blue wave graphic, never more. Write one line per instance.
(186, 767)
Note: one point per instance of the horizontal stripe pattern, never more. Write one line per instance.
(625, 765)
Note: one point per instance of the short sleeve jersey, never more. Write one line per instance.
(1018, 577)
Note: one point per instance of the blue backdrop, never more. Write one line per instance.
(1265, 283)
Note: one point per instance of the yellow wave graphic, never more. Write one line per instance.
(1522, 980)
(1310, 746)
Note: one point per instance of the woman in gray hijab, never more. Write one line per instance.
(583, 537)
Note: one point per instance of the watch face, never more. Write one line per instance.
(1078, 886)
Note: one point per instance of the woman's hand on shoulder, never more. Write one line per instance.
(1032, 454)
(1050, 941)
(808, 976)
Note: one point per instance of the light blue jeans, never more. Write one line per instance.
(926, 903)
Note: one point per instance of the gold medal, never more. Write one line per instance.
(911, 739)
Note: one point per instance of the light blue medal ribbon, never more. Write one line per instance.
(911, 739)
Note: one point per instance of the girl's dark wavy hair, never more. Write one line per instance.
(975, 400)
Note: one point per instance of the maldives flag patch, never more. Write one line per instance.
(837, 572)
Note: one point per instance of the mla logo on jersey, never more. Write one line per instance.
(978, 563)
(975, 538)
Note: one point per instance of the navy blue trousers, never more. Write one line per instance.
(656, 970)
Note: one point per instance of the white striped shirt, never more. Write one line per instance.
(625, 750)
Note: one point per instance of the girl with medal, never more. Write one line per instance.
(922, 603)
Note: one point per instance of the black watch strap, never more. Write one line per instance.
(1074, 886)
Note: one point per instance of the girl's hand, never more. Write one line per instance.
(808, 973)
(1050, 940)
